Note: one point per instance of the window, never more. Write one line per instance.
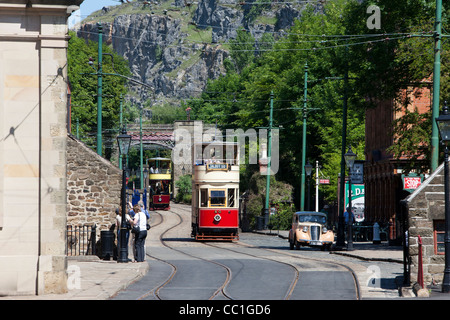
(204, 198)
(439, 234)
(231, 202)
(217, 198)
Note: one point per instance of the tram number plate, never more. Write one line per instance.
(315, 243)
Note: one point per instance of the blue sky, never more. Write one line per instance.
(89, 6)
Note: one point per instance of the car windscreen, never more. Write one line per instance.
(313, 218)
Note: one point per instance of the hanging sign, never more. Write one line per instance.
(358, 200)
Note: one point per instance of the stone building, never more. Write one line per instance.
(425, 209)
(33, 99)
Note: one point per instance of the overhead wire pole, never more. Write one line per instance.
(436, 86)
(269, 160)
(305, 113)
(99, 73)
(99, 89)
(141, 152)
(121, 126)
(340, 241)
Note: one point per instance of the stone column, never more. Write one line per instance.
(33, 97)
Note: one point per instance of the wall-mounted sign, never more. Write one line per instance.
(411, 182)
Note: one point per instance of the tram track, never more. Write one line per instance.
(290, 255)
(156, 291)
(355, 279)
(293, 267)
(285, 258)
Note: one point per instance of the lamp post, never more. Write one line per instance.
(443, 123)
(308, 171)
(350, 158)
(124, 141)
(145, 178)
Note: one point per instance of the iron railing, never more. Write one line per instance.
(80, 240)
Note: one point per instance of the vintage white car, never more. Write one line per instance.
(309, 229)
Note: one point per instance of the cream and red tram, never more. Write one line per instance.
(160, 183)
(215, 191)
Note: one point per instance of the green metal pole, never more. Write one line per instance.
(78, 129)
(99, 90)
(141, 150)
(305, 113)
(121, 126)
(269, 158)
(436, 86)
(340, 241)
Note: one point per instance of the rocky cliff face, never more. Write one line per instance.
(177, 47)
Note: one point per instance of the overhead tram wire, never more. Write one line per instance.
(321, 37)
(371, 41)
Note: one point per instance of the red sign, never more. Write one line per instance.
(219, 218)
(411, 182)
(161, 199)
(324, 181)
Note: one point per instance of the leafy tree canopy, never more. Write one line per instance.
(331, 42)
(83, 83)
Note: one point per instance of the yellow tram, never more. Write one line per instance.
(160, 183)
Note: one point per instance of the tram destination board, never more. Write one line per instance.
(217, 166)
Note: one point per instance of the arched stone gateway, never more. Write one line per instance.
(177, 137)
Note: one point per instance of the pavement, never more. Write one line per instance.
(90, 278)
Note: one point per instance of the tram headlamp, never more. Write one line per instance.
(324, 230)
(305, 229)
(217, 218)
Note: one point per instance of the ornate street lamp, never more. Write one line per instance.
(443, 124)
(308, 171)
(350, 158)
(124, 141)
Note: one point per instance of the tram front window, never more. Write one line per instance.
(217, 198)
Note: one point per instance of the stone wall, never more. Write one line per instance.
(93, 187)
(425, 207)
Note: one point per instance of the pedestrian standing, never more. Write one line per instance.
(348, 215)
(147, 216)
(142, 208)
(140, 220)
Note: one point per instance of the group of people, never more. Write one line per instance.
(136, 216)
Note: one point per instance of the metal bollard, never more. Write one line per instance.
(420, 264)
(376, 233)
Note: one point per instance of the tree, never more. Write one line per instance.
(280, 194)
(242, 49)
(184, 185)
(398, 61)
(83, 85)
